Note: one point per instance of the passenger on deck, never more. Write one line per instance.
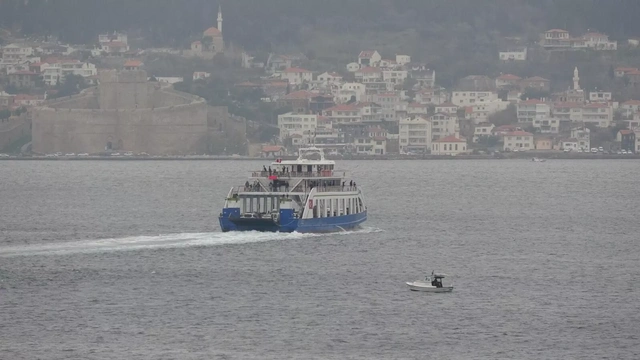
(246, 186)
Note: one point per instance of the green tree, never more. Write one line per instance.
(504, 117)
(5, 114)
(71, 85)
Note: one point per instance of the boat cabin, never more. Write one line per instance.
(435, 279)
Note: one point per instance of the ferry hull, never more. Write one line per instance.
(315, 225)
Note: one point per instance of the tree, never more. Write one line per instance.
(532, 93)
(504, 117)
(5, 114)
(612, 73)
(71, 85)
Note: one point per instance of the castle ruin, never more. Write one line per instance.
(124, 112)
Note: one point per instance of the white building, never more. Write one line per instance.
(343, 114)
(431, 96)
(291, 123)
(390, 102)
(350, 91)
(201, 75)
(518, 140)
(600, 96)
(116, 43)
(330, 78)
(403, 59)
(370, 145)
(353, 67)
(533, 109)
(480, 112)
(394, 77)
(469, 98)
(369, 58)
(507, 81)
(450, 145)
(296, 76)
(368, 74)
(15, 53)
(547, 125)
(443, 125)
(482, 130)
(599, 114)
(414, 135)
(447, 108)
(630, 107)
(582, 135)
(56, 72)
(513, 55)
(598, 41)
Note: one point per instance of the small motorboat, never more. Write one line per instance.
(535, 159)
(431, 283)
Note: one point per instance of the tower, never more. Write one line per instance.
(220, 18)
(576, 79)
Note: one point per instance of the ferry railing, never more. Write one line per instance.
(305, 174)
(338, 188)
(258, 189)
(252, 188)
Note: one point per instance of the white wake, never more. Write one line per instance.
(161, 241)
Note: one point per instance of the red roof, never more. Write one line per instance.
(536, 78)
(22, 72)
(415, 104)
(296, 70)
(298, 95)
(532, 101)
(212, 31)
(519, 133)
(631, 102)
(509, 77)
(626, 69)
(507, 128)
(450, 139)
(557, 30)
(596, 105)
(247, 84)
(366, 54)
(271, 148)
(379, 138)
(626, 132)
(133, 63)
(342, 107)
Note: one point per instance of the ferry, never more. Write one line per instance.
(306, 195)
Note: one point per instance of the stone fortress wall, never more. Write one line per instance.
(124, 113)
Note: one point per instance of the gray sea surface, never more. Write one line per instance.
(125, 260)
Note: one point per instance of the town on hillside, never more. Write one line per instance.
(379, 104)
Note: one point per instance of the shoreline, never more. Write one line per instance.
(502, 156)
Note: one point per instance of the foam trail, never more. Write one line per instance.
(182, 240)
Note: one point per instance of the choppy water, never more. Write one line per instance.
(124, 260)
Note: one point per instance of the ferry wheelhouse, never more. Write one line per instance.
(304, 195)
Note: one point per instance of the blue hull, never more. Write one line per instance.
(318, 225)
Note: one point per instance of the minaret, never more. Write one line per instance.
(576, 79)
(220, 18)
